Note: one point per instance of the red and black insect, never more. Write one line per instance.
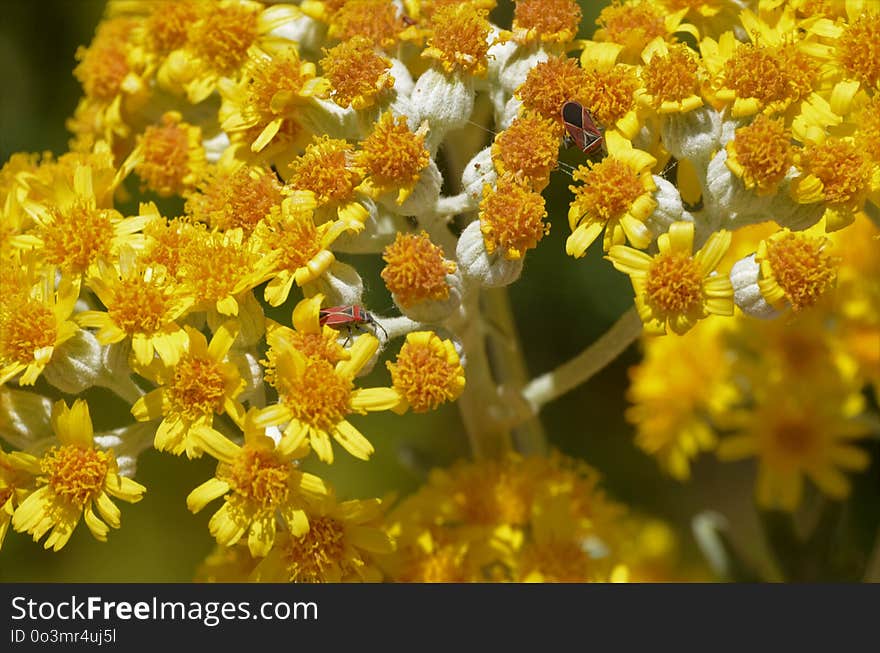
(351, 318)
(582, 129)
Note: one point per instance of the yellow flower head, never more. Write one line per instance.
(550, 84)
(617, 195)
(416, 270)
(356, 72)
(796, 269)
(459, 39)
(610, 95)
(315, 397)
(15, 485)
(857, 50)
(339, 546)
(672, 77)
(761, 154)
(546, 21)
(308, 336)
(377, 20)
(512, 217)
(169, 156)
(75, 479)
(260, 485)
(632, 24)
(529, 147)
(203, 382)
(392, 157)
(675, 288)
(427, 372)
(234, 199)
(167, 240)
(167, 27)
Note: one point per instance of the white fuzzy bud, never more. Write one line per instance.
(380, 228)
(215, 146)
(727, 197)
(26, 417)
(423, 197)
(308, 33)
(128, 442)
(516, 66)
(76, 363)
(508, 114)
(694, 135)
(435, 311)
(490, 270)
(477, 173)
(669, 208)
(341, 285)
(445, 101)
(326, 117)
(747, 295)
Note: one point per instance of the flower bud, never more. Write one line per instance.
(747, 295)
(445, 101)
(479, 171)
(490, 270)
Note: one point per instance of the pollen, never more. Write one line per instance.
(844, 170)
(770, 75)
(609, 188)
(427, 372)
(197, 387)
(673, 77)
(610, 94)
(139, 306)
(166, 166)
(416, 270)
(267, 77)
(630, 25)
(762, 153)
(25, 328)
(392, 155)
(552, 20)
(168, 26)
(78, 236)
(104, 64)
(674, 283)
(75, 474)
(459, 38)
(376, 20)
(238, 199)
(257, 478)
(858, 49)
(324, 168)
(311, 557)
(530, 146)
(223, 35)
(801, 266)
(550, 84)
(512, 217)
(357, 73)
(318, 397)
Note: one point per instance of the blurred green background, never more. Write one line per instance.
(560, 305)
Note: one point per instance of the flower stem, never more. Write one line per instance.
(591, 360)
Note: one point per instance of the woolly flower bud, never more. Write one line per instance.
(747, 295)
(341, 285)
(445, 100)
(728, 199)
(490, 270)
(327, 117)
(424, 194)
(308, 33)
(215, 146)
(76, 363)
(516, 66)
(128, 442)
(477, 173)
(669, 207)
(694, 135)
(26, 415)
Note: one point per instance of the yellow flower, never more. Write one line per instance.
(34, 319)
(427, 372)
(377, 20)
(528, 147)
(512, 217)
(392, 157)
(315, 397)
(260, 485)
(672, 77)
(761, 154)
(74, 480)
(356, 72)
(308, 336)
(459, 38)
(632, 24)
(617, 196)
(142, 304)
(675, 288)
(15, 485)
(546, 21)
(550, 84)
(339, 546)
(169, 156)
(416, 270)
(199, 384)
(796, 431)
(609, 91)
(226, 564)
(238, 198)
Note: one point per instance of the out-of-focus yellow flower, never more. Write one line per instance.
(238, 198)
(169, 156)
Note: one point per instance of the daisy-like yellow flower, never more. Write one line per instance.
(308, 336)
(761, 154)
(142, 303)
(631, 24)
(459, 38)
(74, 232)
(238, 198)
(260, 485)
(299, 248)
(314, 397)
(75, 479)
(840, 173)
(339, 546)
(167, 240)
(356, 72)
(796, 269)
(326, 168)
(34, 319)
(427, 372)
(378, 20)
(169, 156)
(672, 78)
(610, 93)
(545, 21)
(793, 432)
(226, 564)
(166, 27)
(853, 47)
(675, 288)
(15, 485)
(271, 90)
(528, 147)
(415, 270)
(203, 382)
(512, 217)
(550, 84)
(392, 157)
(617, 196)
